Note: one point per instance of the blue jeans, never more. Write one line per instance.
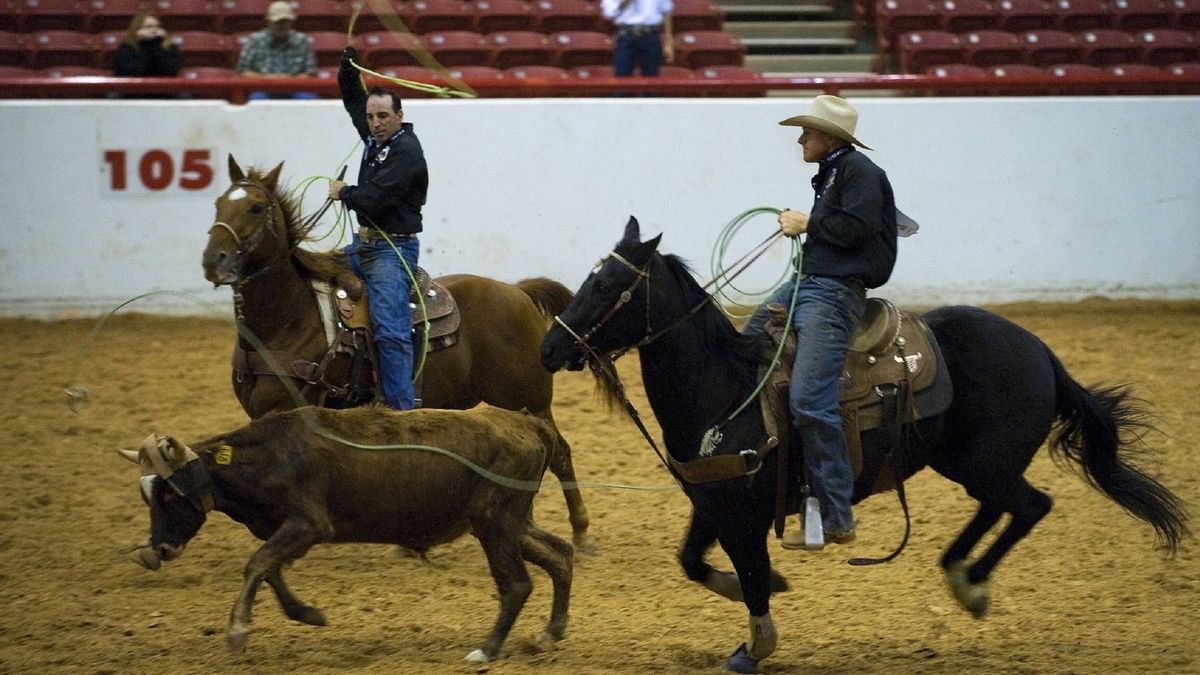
(827, 312)
(388, 289)
(643, 50)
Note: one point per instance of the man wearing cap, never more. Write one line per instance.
(278, 51)
(392, 182)
(849, 246)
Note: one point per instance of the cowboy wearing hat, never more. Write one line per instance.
(849, 246)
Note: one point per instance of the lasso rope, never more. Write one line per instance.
(719, 271)
(389, 19)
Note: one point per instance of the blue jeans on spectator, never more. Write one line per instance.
(281, 96)
(632, 50)
(388, 289)
(827, 312)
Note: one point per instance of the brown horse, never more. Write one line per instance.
(255, 246)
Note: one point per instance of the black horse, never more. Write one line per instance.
(1010, 391)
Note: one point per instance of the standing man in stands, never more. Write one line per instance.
(392, 182)
(644, 39)
(278, 51)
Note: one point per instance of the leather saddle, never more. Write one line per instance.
(430, 302)
(891, 352)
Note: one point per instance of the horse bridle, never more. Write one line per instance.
(251, 242)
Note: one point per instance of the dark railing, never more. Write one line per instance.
(236, 89)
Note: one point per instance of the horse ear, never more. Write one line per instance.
(653, 243)
(272, 178)
(633, 232)
(235, 171)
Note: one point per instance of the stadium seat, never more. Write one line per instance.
(1076, 15)
(204, 48)
(519, 48)
(957, 70)
(671, 72)
(1138, 73)
(581, 48)
(924, 48)
(1189, 69)
(457, 48)
(497, 15)
(985, 48)
(1047, 47)
(207, 73)
(1105, 47)
(702, 48)
(727, 73)
(691, 15)
(52, 48)
(962, 16)
(42, 15)
(367, 21)
(896, 17)
(477, 73)
(1166, 46)
(387, 49)
(110, 15)
(1185, 14)
(547, 72)
(321, 15)
(191, 15)
(328, 46)
(106, 44)
(18, 71)
(429, 16)
(591, 72)
(553, 16)
(1075, 70)
(74, 71)
(13, 50)
(242, 16)
(417, 73)
(1135, 15)
(1017, 16)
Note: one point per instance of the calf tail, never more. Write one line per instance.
(550, 296)
(1102, 432)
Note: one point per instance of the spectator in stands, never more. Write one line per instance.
(278, 51)
(392, 182)
(849, 246)
(644, 39)
(146, 51)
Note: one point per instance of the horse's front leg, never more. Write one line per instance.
(700, 537)
(290, 541)
(746, 545)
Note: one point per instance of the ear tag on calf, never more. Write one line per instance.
(223, 455)
(814, 535)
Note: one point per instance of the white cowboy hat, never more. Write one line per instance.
(280, 11)
(835, 116)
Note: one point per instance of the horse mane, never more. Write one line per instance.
(322, 265)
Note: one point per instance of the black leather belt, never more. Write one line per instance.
(367, 234)
(639, 30)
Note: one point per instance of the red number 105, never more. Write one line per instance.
(156, 170)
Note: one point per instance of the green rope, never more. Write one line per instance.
(724, 238)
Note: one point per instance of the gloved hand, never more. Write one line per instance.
(349, 53)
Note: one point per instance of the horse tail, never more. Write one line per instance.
(1102, 431)
(550, 296)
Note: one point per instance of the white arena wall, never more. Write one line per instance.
(1018, 198)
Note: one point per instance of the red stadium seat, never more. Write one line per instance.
(1017, 16)
(477, 73)
(1189, 69)
(957, 70)
(207, 73)
(1166, 46)
(388, 49)
(990, 48)
(10, 17)
(546, 72)
(17, 71)
(328, 46)
(204, 48)
(321, 15)
(1135, 15)
(924, 48)
(1137, 73)
(592, 72)
(1076, 15)
(1076, 70)
(1105, 47)
(40, 15)
(896, 17)
(1185, 14)
(242, 16)
(519, 48)
(13, 50)
(702, 48)
(727, 73)
(52, 48)
(497, 15)
(553, 16)
(962, 16)
(1047, 47)
(106, 44)
(417, 73)
(457, 48)
(110, 15)
(428, 16)
(691, 15)
(581, 48)
(75, 71)
(670, 72)
(190, 15)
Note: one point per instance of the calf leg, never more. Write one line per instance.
(564, 470)
(501, 541)
(556, 557)
(295, 609)
(289, 542)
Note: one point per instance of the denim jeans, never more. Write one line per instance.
(637, 50)
(388, 289)
(827, 312)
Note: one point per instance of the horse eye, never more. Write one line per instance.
(257, 209)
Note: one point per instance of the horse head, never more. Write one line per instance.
(250, 231)
(610, 312)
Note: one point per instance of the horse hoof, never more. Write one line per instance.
(236, 638)
(971, 597)
(478, 656)
(545, 642)
(583, 544)
(741, 661)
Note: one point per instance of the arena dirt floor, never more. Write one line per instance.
(1085, 593)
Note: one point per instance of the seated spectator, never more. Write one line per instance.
(146, 50)
(278, 51)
